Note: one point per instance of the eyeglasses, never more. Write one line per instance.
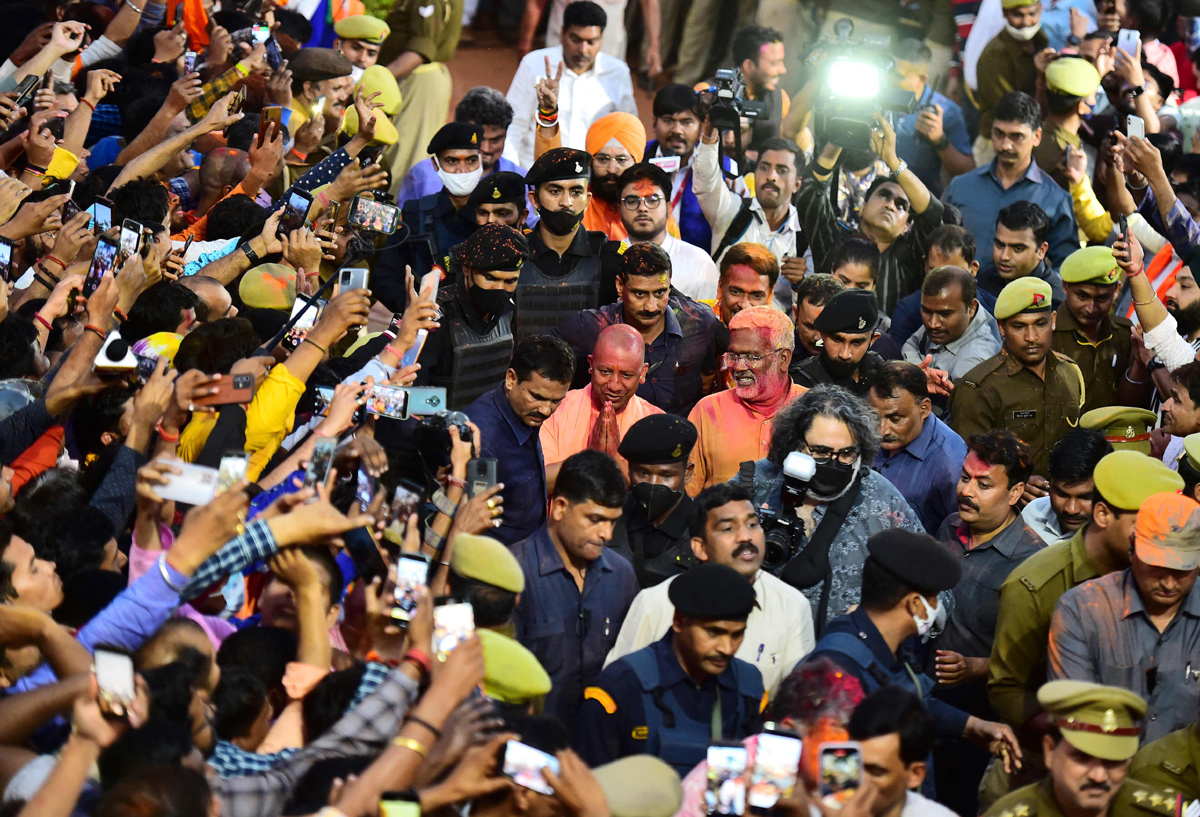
(605, 161)
(823, 454)
(634, 202)
(732, 358)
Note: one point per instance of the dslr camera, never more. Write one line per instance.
(729, 103)
(432, 435)
(784, 530)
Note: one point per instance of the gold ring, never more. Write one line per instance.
(491, 503)
(241, 529)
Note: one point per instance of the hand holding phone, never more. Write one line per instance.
(116, 679)
(840, 766)
(726, 790)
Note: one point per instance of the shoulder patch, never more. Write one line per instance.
(640, 733)
(622, 246)
(601, 697)
(1153, 799)
(762, 705)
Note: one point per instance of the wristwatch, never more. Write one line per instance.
(942, 143)
(900, 168)
(251, 255)
(1137, 90)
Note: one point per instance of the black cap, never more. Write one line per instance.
(660, 439)
(316, 64)
(851, 311)
(559, 164)
(714, 592)
(455, 136)
(502, 187)
(916, 559)
(495, 247)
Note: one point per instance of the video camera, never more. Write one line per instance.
(856, 84)
(729, 102)
(784, 530)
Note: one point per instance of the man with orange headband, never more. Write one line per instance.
(735, 425)
(1138, 628)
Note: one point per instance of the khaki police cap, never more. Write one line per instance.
(1101, 721)
(486, 560)
(640, 786)
(362, 27)
(1127, 428)
(1126, 479)
(1168, 532)
(268, 286)
(511, 673)
(1016, 4)
(1026, 294)
(1091, 265)
(1191, 451)
(1073, 76)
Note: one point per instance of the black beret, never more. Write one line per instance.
(714, 592)
(559, 164)
(852, 311)
(660, 439)
(455, 136)
(316, 64)
(502, 187)
(916, 559)
(495, 247)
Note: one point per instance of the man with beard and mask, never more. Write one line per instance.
(677, 332)
(1028, 388)
(643, 190)
(688, 688)
(847, 327)
(653, 532)
(470, 351)
(735, 425)
(829, 517)
(990, 539)
(919, 454)
(568, 264)
(1071, 84)
(725, 530)
(906, 577)
(899, 214)
(677, 118)
(1007, 65)
(1068, 506)
(317, 73)
(600, 414)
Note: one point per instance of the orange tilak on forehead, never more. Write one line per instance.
(645, 187)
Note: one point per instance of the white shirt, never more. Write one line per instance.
(693, 271)
(1039, 516)
(582, 99)
(918, 805)
(779, 632)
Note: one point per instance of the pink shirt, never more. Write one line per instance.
(1162, 58)
(569, 427)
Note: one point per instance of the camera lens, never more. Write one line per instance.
(779, 546)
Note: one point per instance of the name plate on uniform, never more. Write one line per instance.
(1025, 415)
(667, 164)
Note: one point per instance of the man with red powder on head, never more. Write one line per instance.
(735, 425)
(598, 415)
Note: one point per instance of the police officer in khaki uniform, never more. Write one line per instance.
(1093, 735)
(1086, 331)
(1028, 388)
(1125, 427)
(1123, 481)
(1172, 763)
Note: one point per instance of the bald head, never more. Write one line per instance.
(618, 365)
(223, 167)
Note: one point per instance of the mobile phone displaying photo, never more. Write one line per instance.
(26, 91)
(412, 573)
(481, 473)
(776, 764)
(274, 58)
(320, 462)
(405, 502)
(453, 622)
(399, 804)
(1135, 126)
(145, 366)
(523, 765)
(295, 211)
(840, 767)
(231, 389)
(131, 239)
(414, 352)
(189, 62)
(196, 485)
(103, 263)
(70, 210)
(352, 278)
(101, 213)
(261, 33)
(364, 489)
(6, 250)
(232, 470)
(726, 789)
(387, 401)
(239, 101)
(115, 677)
(322, 399)
(378, 216)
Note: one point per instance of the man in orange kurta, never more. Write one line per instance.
(735, 425)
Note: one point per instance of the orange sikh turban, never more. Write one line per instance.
(624, 127)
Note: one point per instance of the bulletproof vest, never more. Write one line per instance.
(671, 562)
(874, 675)
(544, 302)
(479, 361)
(672, 735)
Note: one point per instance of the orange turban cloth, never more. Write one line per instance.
(624, 127)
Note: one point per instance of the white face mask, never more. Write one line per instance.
(926, 625)
(356, 73)
(460, 184)
(1023, 34)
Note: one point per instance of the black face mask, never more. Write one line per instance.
(654, 498)
(493, 302)
(560, 222)
(831, 478)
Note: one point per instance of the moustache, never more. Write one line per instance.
(650, 316)
(744, 548)
(1093, 785)
(888, 439)
(970, 503)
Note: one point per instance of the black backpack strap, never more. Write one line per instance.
(668, 715)
(746, 475)
(737, 228)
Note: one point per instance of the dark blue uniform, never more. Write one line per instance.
(624, 715)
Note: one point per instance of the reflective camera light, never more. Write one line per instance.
(853, 79)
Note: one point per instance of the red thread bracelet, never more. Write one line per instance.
(50, 257)
(37, 317)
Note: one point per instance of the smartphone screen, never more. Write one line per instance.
(261, 33)
(189, 62)
(131, 238)
(523, 765)
(453, 622)
(378, 216)
(387, 401)
(410, 357)
(776, 763)
(364, 490)
(726, 791)
(114, 676)
(320, 462)
(412, 572)
(232, 470)
(103, 262)
(840, 767)
(101, 213)
(6, 249)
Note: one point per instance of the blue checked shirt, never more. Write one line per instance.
(235, 556)
(1179, 228)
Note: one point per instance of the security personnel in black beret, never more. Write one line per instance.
(847, 327)
(653, 533)
(470, 352)
(500, 197)
(570, 268)
(435, 222)
(675, 697)
(904, 582)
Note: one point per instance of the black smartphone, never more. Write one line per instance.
(131, 239)
(26, 91)
(481, 473)
(1123, 223)
(103, 263)
(295, 211)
